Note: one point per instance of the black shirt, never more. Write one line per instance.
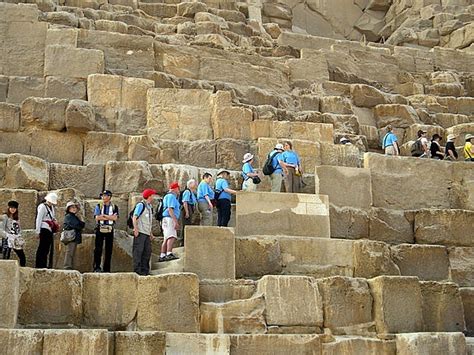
(452, 147)
(435, 148)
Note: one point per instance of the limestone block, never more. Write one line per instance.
(275, 344)
(159, 297)
(201, 244)
(367, 96)
(181, 343)
(44, 113)
(9, 293)
(65, 88)
(467, 296)
(118, 300)
(428, 262)
(283, 295)
(226, 290)
(21, 341)
(391, 226)
(460, 131)
(347, 301)
(49, 145)
(397, 115)
(335, 104)
(373, 259)
(88, 179)
(73, 62)
(146, 343)
(392, 293)
(283, 214)
(348, 223)
(447, 120)
(234, 317)
(341, 183)
(111, 26)
(197, 153)
(20, 88)
(116, 147)
(9, 117)
(189, 9)
(314, 132)
(257, 257)
(446, 227)
(339, 155)
(224, 116)
(461, 262)
(75, 341)
(39, 286)
(429, 343)
(62, 37)
(26, 172)
(80, 116)
(312, 66)
(159, 10)
(442, 307)
(126, 176)
(27, 200)
(359, 345)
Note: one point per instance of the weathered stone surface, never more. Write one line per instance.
(146, 343)
(181, 343)
(9, 293)
(116, 143)
(39, 286)
(20, 88)
(442, 307)
(401, 116)
(348, 223)
(127, 176)
(49, 145)
(373, 259)
(88, 179)
(44, 113)
(391, 226)
(467, 296)
(21, 341)
(65, 88)
(428, 262)
(367, 96)
(282, 300)
(73, 62)
(225, 290)
(392, 294)
(257, 257)
(80, 116)
(359, 345)
(26, 172)
(461, 262)
(9, 117)
(27, 199)
(337, 154)
(224, 116)
(315, 60)
(275, 344)
(75, 341)
(159, 296)
(429, 343)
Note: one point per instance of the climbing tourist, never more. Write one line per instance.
(46, 226)
(390, 142)
(450, 149)
(189, 204)
(142, 231)
(223, 196)
(469, 148)
(251, 178)
(74, 225)
(420, 147)
(435, 147)
(205, 195)
(106, 215)
(292, 171)
(273, 168)
(170, 223)
(10, 232)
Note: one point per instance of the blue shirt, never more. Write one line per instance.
(170, 201)
(203, 190)
(275, 163)
(247, 169)
(139, 209)
(189, 197)
(222, 184)
(290, 157)
(388, 140)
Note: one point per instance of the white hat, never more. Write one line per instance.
(279, 146)
(451, 137)
(247, 157)
(70, 204)
(344, 139)
(469, 136)
(52, 197)
(221, 171)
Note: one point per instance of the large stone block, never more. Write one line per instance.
(283, 295)
(467, 296)
(391, 226)
(39, 286)
(283, 214)
(26, 172)
(9, 117)
(339, 155)
(65, 88)
(49, 145)
(44, 113)
(9, 293)
(401, 116)
(15, 142)
(312, 66)
(27, 199)
(75, 341)
(21, 341)
(348, 223)
(169, 303)
(88, 179)
(372, 259)
(73, 62)
(461, 262)
(255, 256)
(345, 187)
(446, 227)
(431, 343)
(224, 116)
(275, 344)
(391, 295)
(126, 177)
(20, 88)
(359, 345)
(226, 290)
(181, 343)
(428, 262)
(118, 300)
(145, 343)
(80, 117)
(116, 143)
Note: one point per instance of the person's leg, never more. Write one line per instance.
(137, 253)
(109, 247)
(43, 249)
(169, 244)
(146, 256)
(206, 214)
(296, 183)
(51, 250)
(21, 256)
(219, 213)
(8, 253)
(276, 182)
(99, 243)
(227, 210)
(287, 181)
(69, 258)
(251, 187)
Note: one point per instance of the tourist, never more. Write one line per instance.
(106, 214)
(142, 231)
(251, 178)
(390, 142)
(344, 141)
(74, 223)
(205, 195)
(189, 204)
(170, 223)
(435, 147)
(292, 171)
(46, 226)
(10, 232)
(223, 192)
(276, 177)
(450, 149)
(420, 147)
(469, 148)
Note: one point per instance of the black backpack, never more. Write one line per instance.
(417, 148)
(180, 199)
(160, 209)
(268, 168)
(130, 215)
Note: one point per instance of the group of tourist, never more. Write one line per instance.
(424, 148)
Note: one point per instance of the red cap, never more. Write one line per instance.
(174, 185)
(148, 192)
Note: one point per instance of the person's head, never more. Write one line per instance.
(344, 140)
(207, 177)
(191, 184)
(248, 158)
(174, 187)
(421, 133)
(51, 198)
(389, 128)
(12, 210)
(436, 137)
(279, 147)
(288, 145)
(72, 207)
(148, 194)
(469, 137)
(106, 196)
(451, 137)
(223, 173)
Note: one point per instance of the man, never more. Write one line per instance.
(224, 199)
(189, 202)
(276, 177)
(170, 222)
(142, 231)
(290, 161)
(106, 215)
(205, 195)
(390, 142)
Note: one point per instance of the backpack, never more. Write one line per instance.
(130, 215)
(217, 193)
(161, 209)
(417, 148)
(268, 167)
(180, 198)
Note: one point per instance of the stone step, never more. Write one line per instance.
(173, 266)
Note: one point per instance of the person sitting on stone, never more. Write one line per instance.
(435, 147)
(420, 148)
(170, 223)
(450, 149)
(224, 198)
(205, 195)
(390, 142)
(46, 226)
(189, 205)
(142, 231)
(469, 148)
(10, 233)
(72, 222)
(292, 170)
(249, 174)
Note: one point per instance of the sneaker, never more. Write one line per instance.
(171, 257)
(161, 259)
(97, 269)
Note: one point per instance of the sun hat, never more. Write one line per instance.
(221, 171)
(70, 204)
(247, 157)
(52, 197)
(279, 146)
(469, 136)
(451, 137)
(174, 185)
(148, 192)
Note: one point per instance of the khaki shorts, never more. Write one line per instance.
(390, 150)
(169, 228)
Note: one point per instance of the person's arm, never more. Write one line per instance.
(472, 149)
(208, 201)
(114, 215)
(3, 225)
(137, 212)
(97, 214)
(186, 209)
(173, 217)
(395, 147)
(73, 222)
(230, 191)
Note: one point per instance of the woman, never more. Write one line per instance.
(72, 222)
(11, 234)
(46, 226)
(450, 149)
(435, 147)
(469, 148)
(248, 173)
(420, 147)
